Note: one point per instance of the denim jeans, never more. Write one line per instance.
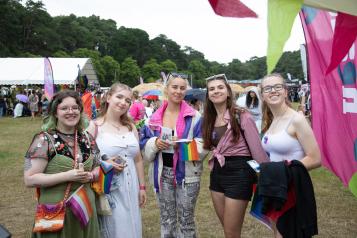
(177, 204)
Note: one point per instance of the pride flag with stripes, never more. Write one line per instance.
(188, 151)
(80, 205)
(105, 177)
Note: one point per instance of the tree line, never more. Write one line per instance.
(118, 54)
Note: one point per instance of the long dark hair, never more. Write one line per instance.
(50, 122)
(249, 99)
(210, 115)
(267, 114)
(124, 119)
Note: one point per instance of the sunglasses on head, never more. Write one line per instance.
(217, 76)
(178, 75)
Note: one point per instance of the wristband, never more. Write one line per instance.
(142, 187)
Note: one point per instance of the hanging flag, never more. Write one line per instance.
(231, 8)
(80, 206)
(334, 97)
(344, 36)
(281, 16)
(48, 79)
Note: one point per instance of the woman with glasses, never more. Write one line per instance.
(176, 178)
(234, 140)
(118, 141)
(287, 134)
(49, 162)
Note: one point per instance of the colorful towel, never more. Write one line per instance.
(80, 206)
(188, 151)
(105, 177)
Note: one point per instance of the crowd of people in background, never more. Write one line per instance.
(175, 139)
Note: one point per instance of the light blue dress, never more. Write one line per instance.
(125, 220)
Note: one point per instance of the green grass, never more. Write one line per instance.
(337, 208)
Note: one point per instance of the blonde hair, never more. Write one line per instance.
(267, 114)
(124, 119)
(170, 78)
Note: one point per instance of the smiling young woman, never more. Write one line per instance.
(233, 143)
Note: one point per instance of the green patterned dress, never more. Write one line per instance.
(60, 159)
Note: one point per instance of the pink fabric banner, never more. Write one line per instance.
(48, 79)
(345, 34)
(231, 8)
(334, 97)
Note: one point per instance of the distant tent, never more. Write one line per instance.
(25, 71)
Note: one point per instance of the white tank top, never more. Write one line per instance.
(282, 146)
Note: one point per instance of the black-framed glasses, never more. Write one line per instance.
(277, 87)
(217, 76)
(178, 75)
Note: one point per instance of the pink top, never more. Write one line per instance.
(226, 147)
(137, 111)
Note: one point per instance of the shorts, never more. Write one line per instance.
(235, 179)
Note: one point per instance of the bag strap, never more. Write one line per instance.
(68, 188)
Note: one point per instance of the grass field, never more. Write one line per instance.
(337, 208)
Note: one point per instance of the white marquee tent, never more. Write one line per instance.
(25, 71)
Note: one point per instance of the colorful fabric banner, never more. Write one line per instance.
(344, 36)
(80, 205)
(281, 16)
(105, 177)
(231, 8)
(48, 79)
(334, 97)
(188, 151)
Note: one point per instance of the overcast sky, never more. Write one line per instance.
(188, 22)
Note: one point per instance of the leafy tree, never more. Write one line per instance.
(198, 73)
(112, 70)
(129, 42)
(151, 70)
(61, 54)
(168, 66)
(130, 72)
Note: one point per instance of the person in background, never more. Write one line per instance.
(253, 104)
(33, 103)
(2, 106)
(148, 109)
(137, 109)
(45, 103)
(233, 143)
(19, 109)
(287, 134)
(176, 180)
(50, 157)
(117, 139)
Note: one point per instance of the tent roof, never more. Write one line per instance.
(23, 71)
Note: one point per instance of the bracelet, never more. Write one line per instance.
(142, 187)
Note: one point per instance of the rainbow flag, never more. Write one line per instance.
(105, 177)
(188, 151)
(80, 206)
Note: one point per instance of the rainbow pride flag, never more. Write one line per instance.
(188, 151)
(80, 206)
(105, 177)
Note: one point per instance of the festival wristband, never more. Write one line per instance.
(142, 187)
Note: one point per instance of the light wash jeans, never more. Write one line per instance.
(177, 203)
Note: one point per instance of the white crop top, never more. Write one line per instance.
(282, 146)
